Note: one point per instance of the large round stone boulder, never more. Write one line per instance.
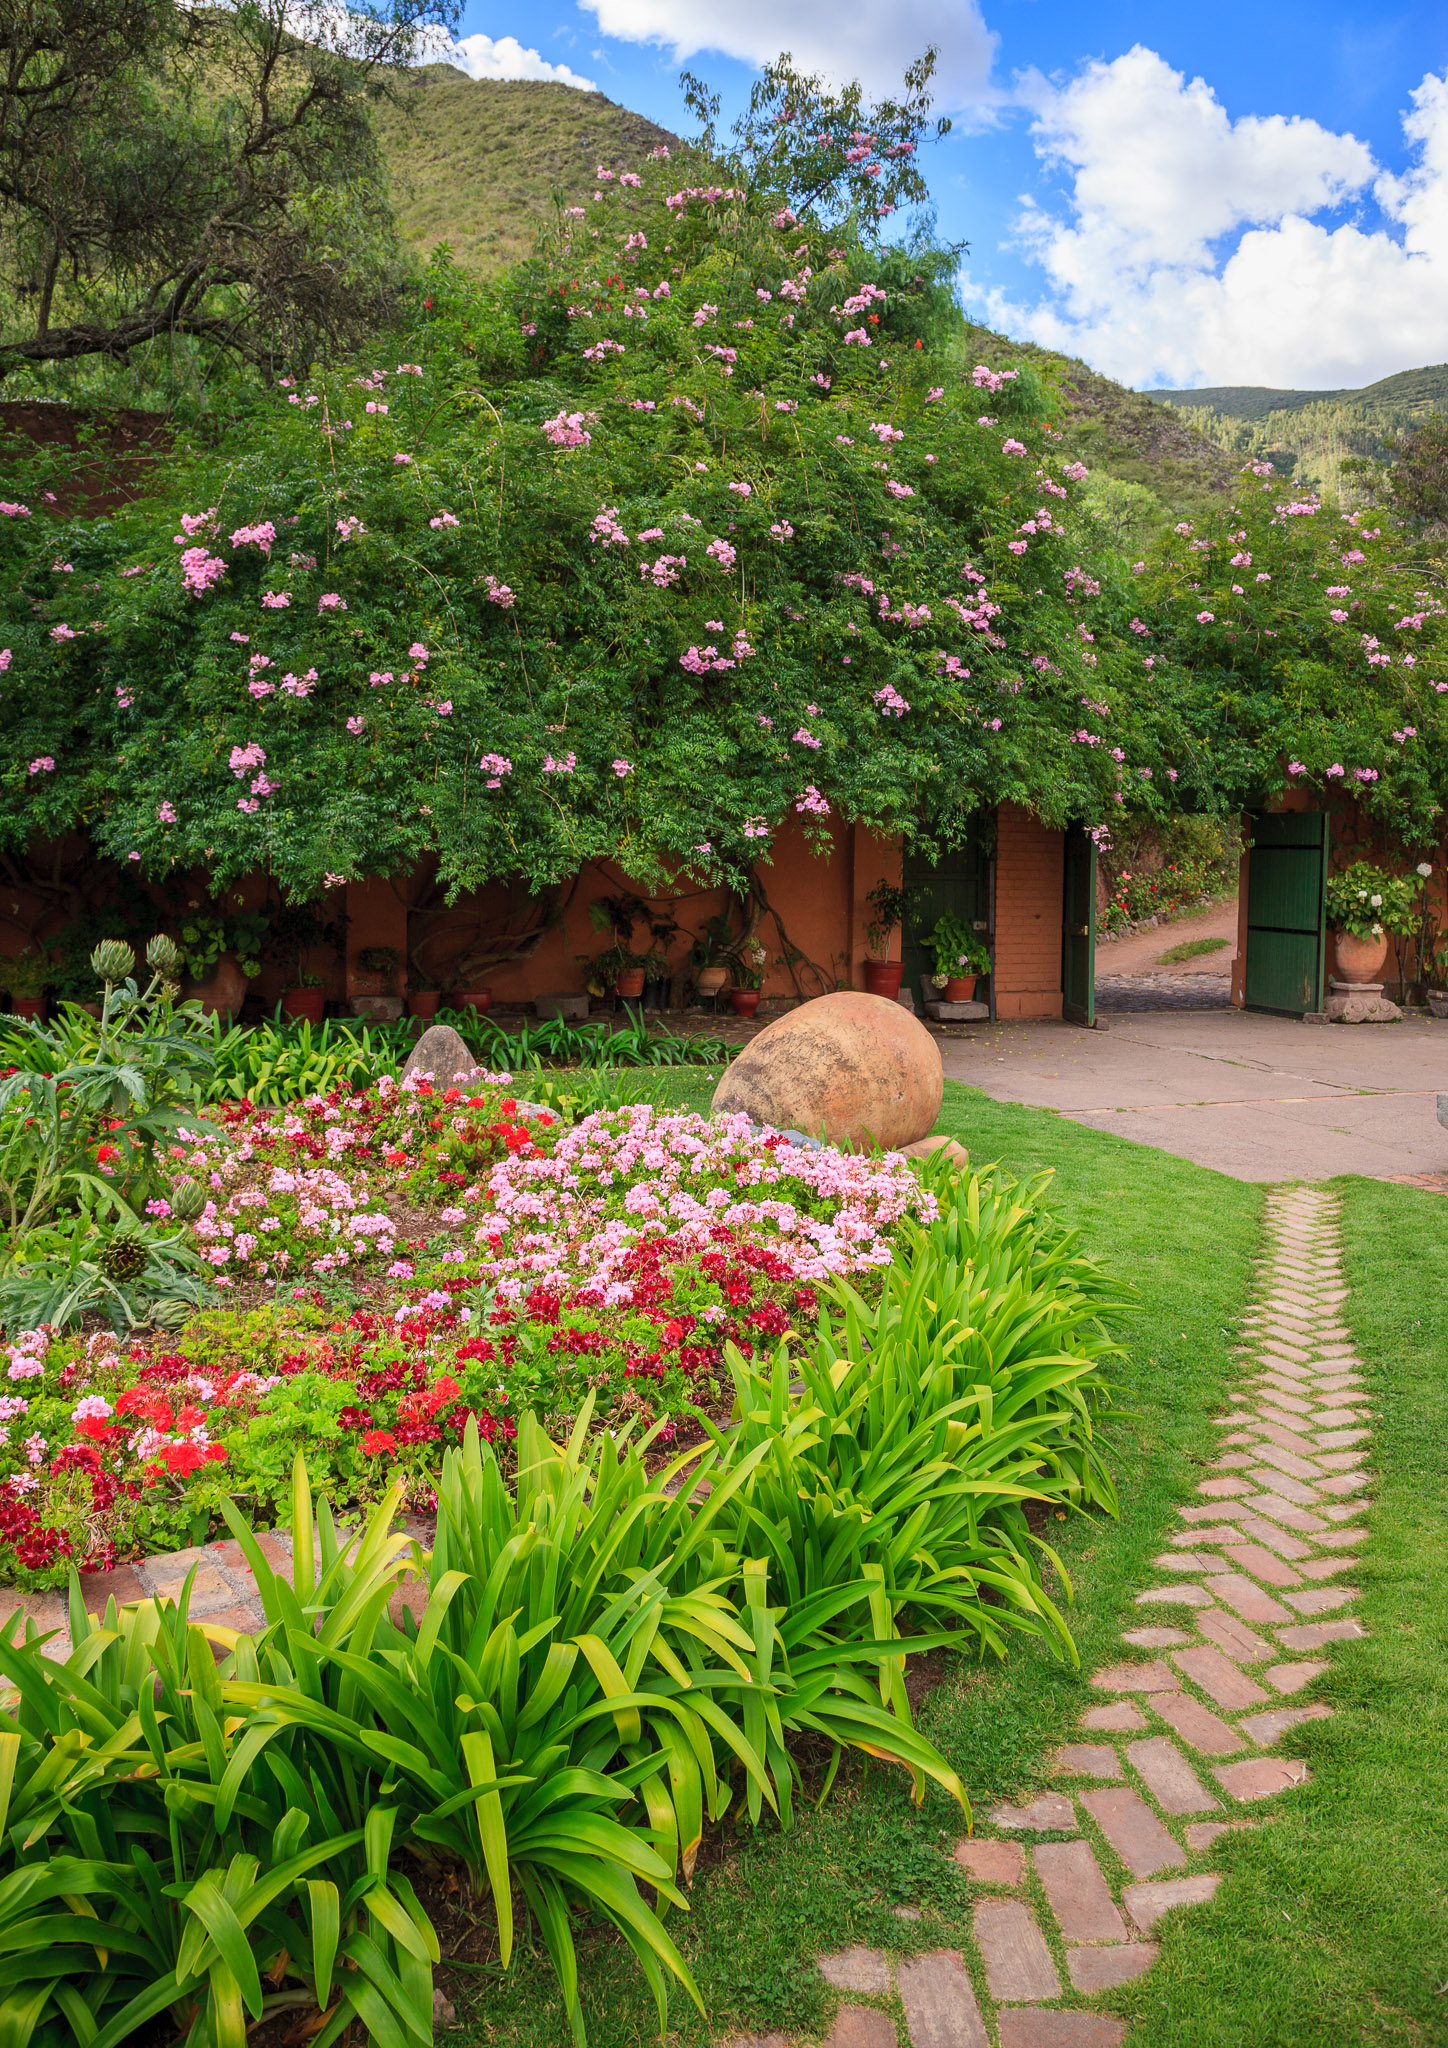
(851, 1068)
(443, 1054)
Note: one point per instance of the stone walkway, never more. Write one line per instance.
(1194, 1727)
(1121, 992)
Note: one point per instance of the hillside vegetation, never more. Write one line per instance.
(1308, 434)
(476, 162)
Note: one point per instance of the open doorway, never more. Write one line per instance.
(1168, 915)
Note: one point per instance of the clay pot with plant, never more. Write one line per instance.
(220, 954)
(374, 971)
(960, 955)
(25, 976)
(298, 929)
(620, 968)
(750, 961)
(1366, 907)
(882, 974)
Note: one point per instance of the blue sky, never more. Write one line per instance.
(1252, 193)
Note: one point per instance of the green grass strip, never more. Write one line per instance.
(1332, 1927)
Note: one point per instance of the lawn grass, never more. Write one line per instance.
(767, 1904)
(1191, 949)
(1332, 1928)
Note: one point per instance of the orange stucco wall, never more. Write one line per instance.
(1030, 895)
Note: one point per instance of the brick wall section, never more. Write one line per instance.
(1030, 886)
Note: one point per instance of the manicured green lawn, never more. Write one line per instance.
(766, 1904)
(1334, 1926)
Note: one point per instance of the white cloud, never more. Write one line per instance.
(482, 57)
(1142, 285)
(872, 40)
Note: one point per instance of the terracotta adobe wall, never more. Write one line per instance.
(1030, 896)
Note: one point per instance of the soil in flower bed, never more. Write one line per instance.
(391, 1263)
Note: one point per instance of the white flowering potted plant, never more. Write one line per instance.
(1366, 906)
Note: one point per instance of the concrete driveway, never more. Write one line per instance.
(1261, 1098)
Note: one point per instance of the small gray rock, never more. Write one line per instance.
(442, 1053)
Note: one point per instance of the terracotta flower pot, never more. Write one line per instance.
(1359, 960)
(711, 980)
(630, 984)
(882, 977)
(424, 1002)
(224, 990)
(744, 1001)
(959, 988)
(310, 1003)
(35, 1007)
(478, 1000)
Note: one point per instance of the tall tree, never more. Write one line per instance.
(208, 172)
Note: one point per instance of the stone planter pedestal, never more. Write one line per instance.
(385, 1009)
(1359, 1002)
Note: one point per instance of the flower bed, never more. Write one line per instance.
(393, 1262)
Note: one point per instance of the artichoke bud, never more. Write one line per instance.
(113, 960)
(123, 1258)
(188, 1199)
(163, 957)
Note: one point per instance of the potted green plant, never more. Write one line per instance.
(749, 965)
(1365, 905)
(882, 974)
(961, 957)
(25, 976)
(296, 930)
(664, 928)
(219, 955)
(710, 955)
(424, 1000)
(620, 968)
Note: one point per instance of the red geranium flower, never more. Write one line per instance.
(376, 1441)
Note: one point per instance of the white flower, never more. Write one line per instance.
(1376, 902)
(1425, 868)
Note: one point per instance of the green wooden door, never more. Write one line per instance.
(1286, 883)
(1078, 930)
(957, 881)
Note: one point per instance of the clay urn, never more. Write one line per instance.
(1359, 960)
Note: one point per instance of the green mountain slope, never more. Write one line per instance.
(475, 162)
(1307, 434)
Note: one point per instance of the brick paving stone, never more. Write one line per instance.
(1261, 1531)
(1201, 1834)
(1048, 1813)
(1289, 1379)
(1244, 1436)
(860, 2026)
(1286, 1512)
(1275, 1480)
(1088, 1760)
(1316, 1633)
(1328, 1567)
(1196, 1724)
(1341, 1463)
(1018, 1963)
(1174, 1596)
(1286, 1438)
(1260, 1777)
(1232, 1635)
(1184, 1560)
(992, 1862)
(857, 1969)
(1269, 1728)
(1322, 1599)
(1292, 1677)
(1262, 1564)
(1154, 1638)
(245, 1617)
(1132, 1829)
(1223, 1489)
(1345, 1511)
(1339, 1539)
(1306, 1470)
(1146, 1903)
(939, 2002)
(1168, 1777)
(1028, 2027)
(1245, 1597)
(1220, 1678)
(1153, 1677)
(1273, 1407)
(1120, 1715)
(1102, 1969)
(119, 1584)
(1078, 1893)
(1339, 1439)
(755, 2041)
(1235, 1461)
(1224, 1532)
(1207, 1514)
